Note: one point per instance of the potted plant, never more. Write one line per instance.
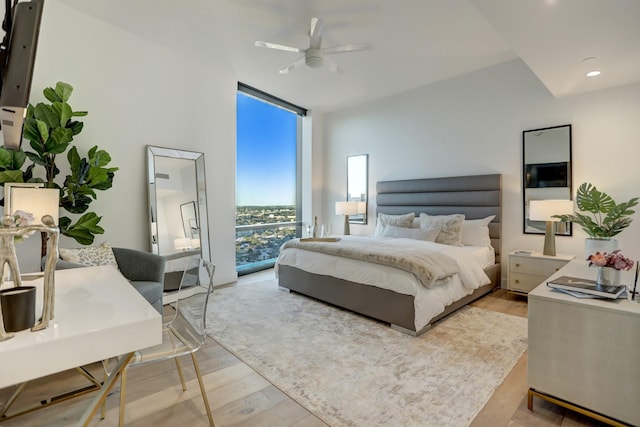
(604, 218)
(50, 129)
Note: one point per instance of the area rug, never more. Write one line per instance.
(352, 371)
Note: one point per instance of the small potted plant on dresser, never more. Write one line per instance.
(604, 218)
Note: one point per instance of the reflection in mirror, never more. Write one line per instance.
(177, 208)
(546, 172)
(357, 191)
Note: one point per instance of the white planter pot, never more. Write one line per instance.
(591, 246)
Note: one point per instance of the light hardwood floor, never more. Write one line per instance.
(241, 397)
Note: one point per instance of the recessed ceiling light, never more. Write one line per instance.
(591, 66)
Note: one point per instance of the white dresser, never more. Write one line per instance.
(585, 351)
(528, 271)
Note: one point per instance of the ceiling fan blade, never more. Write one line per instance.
(298, 63)
(277, 46)
(332, 66)
(315, 34)
(346, 48)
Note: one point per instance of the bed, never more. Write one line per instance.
(475, 196)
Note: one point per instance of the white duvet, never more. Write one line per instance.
(428, 302)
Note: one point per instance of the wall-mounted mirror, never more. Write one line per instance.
(177, 207)
(546, 172)
(357, 190)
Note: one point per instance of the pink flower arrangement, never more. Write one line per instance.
(614, 260)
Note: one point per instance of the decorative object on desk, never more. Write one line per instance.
(8, 256)
(609, 266)
(607, 218)
(19, 308)
(586, 286)
(32, 197)
(349, 208)
(50, 128)
(548, 210)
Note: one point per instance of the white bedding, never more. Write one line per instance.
(428, 302)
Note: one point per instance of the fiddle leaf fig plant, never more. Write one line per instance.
(607, 218)
(50, 129)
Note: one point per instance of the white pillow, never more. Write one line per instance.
(475, 232)
(428, 234)
(450, 227)
(398, 220)
(91, 255)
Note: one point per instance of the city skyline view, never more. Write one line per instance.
(266, 153)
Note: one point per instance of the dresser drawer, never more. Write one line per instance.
(524, 282)
(544, 267)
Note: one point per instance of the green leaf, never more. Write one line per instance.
(12, 160)
(43, 130)
(76, 127)
(47, 114)
(51, 95)
(589, 199)
(64, 111)
(61, 136)
(77, 204)
(35, 158)
(64, 90)
(79, 113)
(11, 176)
(99, 158)
(30, 130)
(84, 230)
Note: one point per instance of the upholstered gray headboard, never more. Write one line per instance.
(475, 196)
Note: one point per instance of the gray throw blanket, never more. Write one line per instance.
(431, 268)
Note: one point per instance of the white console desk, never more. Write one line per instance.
(585, 353)
(98, 315)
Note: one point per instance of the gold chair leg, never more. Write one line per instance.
(123, 390)
(179, 366)
(202, 389)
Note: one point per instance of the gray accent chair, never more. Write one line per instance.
(144, 270)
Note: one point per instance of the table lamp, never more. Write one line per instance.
(346, 209)
(543, 210)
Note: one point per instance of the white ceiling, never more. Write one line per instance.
(415, 42)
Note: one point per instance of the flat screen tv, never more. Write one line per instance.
(17, 59)
(541, 175)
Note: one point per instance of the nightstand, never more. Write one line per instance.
(526, 271)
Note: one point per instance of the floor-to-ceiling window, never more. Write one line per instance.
(267, 177)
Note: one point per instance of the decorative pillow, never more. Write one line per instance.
(91, 255)
(428, 234)
(398, 220)
(475, 232)
(450, 227)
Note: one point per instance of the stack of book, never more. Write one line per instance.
(585, 288)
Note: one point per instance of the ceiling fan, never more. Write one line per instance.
(315, 54)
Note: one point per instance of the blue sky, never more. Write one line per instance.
(266, 153)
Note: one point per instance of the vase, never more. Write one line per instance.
(18, 308)
(608, 276)
(591, 246)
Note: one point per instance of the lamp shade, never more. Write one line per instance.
(362, 207)
(347, 208)
(543, 210)
(37, 201)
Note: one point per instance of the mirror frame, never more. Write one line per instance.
(154, 152)
(554, 191)
(363, 182)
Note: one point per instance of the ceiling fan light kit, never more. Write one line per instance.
(314, 55)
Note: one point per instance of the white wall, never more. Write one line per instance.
(473, 124)
(137, 94)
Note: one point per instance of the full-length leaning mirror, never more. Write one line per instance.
(357, 191)
(177, 207)
(546, 172)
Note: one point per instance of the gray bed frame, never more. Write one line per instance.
(475, 196)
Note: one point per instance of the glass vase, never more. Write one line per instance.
(608, 276)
